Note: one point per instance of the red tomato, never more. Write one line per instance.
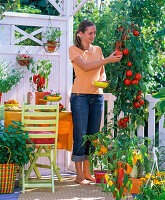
(136, 104)
(136, 33)
(121, 28)
(127, 81)
(119, 44)
(138, 97)
(118, 53)
(120, 164)
(140, 92)
(134, 82)
(138, 76)
(141, 102)
(132, 24)
(126, 119)
(125, 37)
(122, 121)
(124, 125)
(119, 122)
(129, 64)
(125, 51)
(128, 73)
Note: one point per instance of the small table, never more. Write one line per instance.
(65, 131)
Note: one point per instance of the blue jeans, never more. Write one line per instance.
(86, 114)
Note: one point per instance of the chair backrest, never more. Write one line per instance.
(41, 121)
(2, 115)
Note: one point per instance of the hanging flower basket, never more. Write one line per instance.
(24, 59)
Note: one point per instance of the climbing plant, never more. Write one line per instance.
(117, 23)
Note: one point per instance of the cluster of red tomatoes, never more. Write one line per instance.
(139, 99)
(40, 81)
(124, 36)
(131, 78)
(123, 122)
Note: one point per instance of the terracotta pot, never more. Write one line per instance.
(0, 97)
(51, 46)
(99, 175)
(136, 182)
(38, 96)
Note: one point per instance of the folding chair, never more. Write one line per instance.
(2, 114)
(41, 121)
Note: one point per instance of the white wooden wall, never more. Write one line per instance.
(61, 76)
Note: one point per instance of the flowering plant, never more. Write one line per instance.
(24, 60)
(40, 71)
(152, 187)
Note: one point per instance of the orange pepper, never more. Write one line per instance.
(134, 160)
(100, 153)
(103, 149)
(129, 169)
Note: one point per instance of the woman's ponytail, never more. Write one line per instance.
(82, 28)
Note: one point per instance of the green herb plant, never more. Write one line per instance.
(9, 76)
(52, 34)
(15, 139)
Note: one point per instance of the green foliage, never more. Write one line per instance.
(9, 76)
(28, 9)
(14, 138)
(43, 5)
(52, 34)
(160, 105)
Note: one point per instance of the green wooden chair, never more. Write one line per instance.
(41, 121)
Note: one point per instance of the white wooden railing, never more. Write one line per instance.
(109, 98)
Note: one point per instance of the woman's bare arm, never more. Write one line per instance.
(94, 65)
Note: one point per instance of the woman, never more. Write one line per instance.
(86, 98)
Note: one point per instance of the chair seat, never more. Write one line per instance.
(41, 140)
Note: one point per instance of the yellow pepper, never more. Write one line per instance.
(53, 98)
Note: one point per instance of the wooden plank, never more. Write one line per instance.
(30, 121)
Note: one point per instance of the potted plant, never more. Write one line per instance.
(40, 72)
(119, 157)
(9, 76)
(24, 60)
(51, 36)
(13, 152)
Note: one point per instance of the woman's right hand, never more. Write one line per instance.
(112, 58)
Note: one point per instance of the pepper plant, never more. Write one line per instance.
(40, 71)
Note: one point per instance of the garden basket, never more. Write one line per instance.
(8, 174)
